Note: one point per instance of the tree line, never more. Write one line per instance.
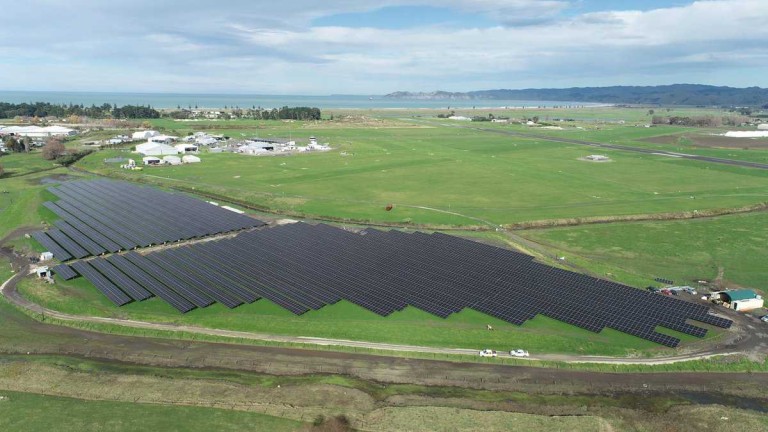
(258, 113)
(699, 121)
(46, 109)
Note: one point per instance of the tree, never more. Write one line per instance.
(2, 171)
(53, 149)
(650, 112)
(14, 145)
(26, 144)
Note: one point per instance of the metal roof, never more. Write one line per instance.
(736, 295)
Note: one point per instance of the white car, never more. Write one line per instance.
(487, 353)
(764, 318)
(519, 353)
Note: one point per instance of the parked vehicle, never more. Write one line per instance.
(764, 318)
(519, 353)
(488, 353)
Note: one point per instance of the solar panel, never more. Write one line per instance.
(105, 216)
(102, 283)
(303, 267)
(58, 252)
(65, 272)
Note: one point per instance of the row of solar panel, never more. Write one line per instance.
(304, 267)
(100, 216)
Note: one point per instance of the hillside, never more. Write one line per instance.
(675, 94)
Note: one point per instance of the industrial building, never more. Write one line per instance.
(37, 131)
(144, 135)
(740, 300)
(156, 149)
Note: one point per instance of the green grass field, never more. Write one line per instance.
(447, 176)
(21, 196)
(685, 251)
(33, 412)
(450, 176)
(344, 320)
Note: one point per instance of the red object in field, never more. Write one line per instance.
(389, 207)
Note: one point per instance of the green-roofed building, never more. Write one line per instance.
(741, 300)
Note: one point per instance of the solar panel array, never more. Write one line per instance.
(101, 216)
(304, 267)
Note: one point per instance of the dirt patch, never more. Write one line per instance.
(710, 141)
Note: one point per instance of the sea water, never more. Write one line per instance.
(192, 101)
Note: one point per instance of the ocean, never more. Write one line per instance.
(174, 100)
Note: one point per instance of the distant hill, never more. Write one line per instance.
(675, 94)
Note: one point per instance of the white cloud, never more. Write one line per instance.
(198, 46)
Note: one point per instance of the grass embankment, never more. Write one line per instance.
(449, 176)
(114, 393)
(34, 412)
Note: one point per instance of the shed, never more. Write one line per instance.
(747, 305)
(156, 149)
(45, 256)
(186, 148)
(172, 160)
(143, 135)
(151, 160)
(741, 300)
(190, 159)
(42, 272)
(164, 139)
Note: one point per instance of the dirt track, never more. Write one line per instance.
(32, 337)
(741, 339)
(744, 337)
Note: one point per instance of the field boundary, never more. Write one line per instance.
(660, 217)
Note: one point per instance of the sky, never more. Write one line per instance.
(309, 47)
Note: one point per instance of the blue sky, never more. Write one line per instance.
(353, 47)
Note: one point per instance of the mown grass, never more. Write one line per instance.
(451, 176)
(21, 196)
(685, 251)
(34, 412)
(345, 320)
(19, 164)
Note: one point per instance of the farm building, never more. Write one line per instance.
(190, 159)
(144, 135)
(762, 126)
(151, 160)
(741, 300)
(172, 160)
(37, 131)
(747, 134)
(156, 149)
(163, 139)
(186, 148)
